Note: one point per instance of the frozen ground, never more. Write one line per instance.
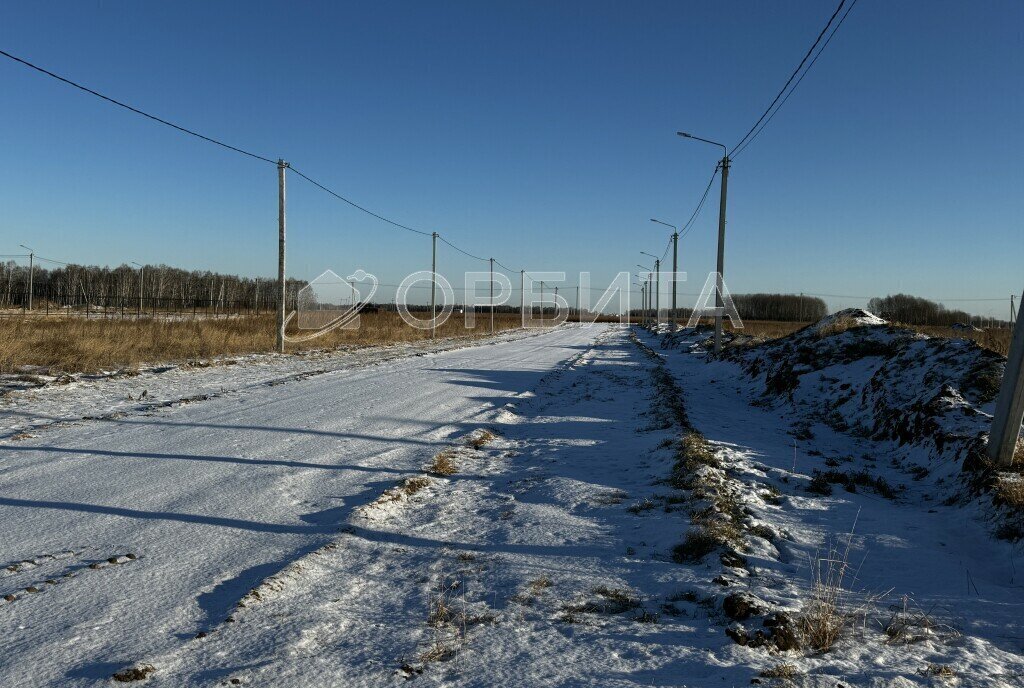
(273, 544)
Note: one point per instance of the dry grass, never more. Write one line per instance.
(781, 671)
(1010, 490)
(767, 329)
(444, 463)
(838, 326)
(73, 345)
(481, 438)
(831, 609)
(996, 340)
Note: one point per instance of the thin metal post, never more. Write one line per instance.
(721, 253)
(433, 285)
(1002, 440)
(281, 165)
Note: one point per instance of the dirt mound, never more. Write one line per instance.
(857, 373)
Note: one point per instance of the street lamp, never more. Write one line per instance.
(657, 286)
(142, 275)
(721, 234)
(675, 269)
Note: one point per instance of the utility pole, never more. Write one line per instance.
(721, 253)
(1013, 312)
(1002, 440)
(522, 297)
(142, 282)
(801, 317)
(31, 273)
(675, 269)
(556, 303)
(542, 301)
(282, 295)
(579, 317)
(657, 292)
(724, 166)
(643, 305)
(433, 285)
(492, 296)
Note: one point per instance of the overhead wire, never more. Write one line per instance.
(356, 205)
(797, 84)
(791, 76)
(136, 110)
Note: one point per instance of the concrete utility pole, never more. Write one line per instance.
(721, 253)
(282, 295)
(675, 269)
(541, 302)
(1002, 440)
(724, 166)
(433, 285)
(522, 297)
(643, 305)
(492, 296)
(31, 272)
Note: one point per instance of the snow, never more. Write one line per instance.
(275, 540)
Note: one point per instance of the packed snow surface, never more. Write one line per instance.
(284, 529)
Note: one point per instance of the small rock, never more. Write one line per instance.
(740, 606)
(10, 598)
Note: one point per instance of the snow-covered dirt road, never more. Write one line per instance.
(124, 538)
(584, 507)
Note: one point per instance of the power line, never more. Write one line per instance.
(134, 109)
(696, 211)
(791, 76)
(356, 205)
(465, 253)
(797, 84)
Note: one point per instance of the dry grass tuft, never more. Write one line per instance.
(135, 673)
(781, 671)
(940, 671)
(837, 326)
(481, 438)
(830, 609)
(1010, 491)
(908, 625)
(444, 463)
(75, 344)
(539, 584)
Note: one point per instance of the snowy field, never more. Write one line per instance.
(497, 514)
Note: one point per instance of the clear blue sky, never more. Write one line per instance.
(541, 133)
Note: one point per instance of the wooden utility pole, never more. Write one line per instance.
(281, 166)
(721, 253)
(1002, 440)
(433, 285)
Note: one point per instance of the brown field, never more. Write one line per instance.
(75, 344)
(997, 340)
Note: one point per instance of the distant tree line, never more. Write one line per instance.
(914, 310)
(71, 285)
(784, 307)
